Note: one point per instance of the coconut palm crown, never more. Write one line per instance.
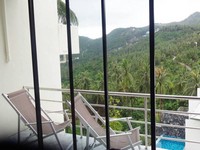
(62, 14)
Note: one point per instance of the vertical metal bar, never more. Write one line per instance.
(87, 137)
(146, 123)
(103, 15)
(152, 73)
(81, 130)
(19, 117)
(71, 73)
(35, 72)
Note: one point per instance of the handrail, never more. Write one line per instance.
(133, 108)
(141, 95)
(142, 109)
(128, 94)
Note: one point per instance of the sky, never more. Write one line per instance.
(128, 13)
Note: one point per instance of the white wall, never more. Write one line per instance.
(193, 104)
(48, 51)
(62, 36)
(193, 121)
(18, 71)
(192, 134)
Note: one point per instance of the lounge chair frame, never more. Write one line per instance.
(56, 128)
(102, 138)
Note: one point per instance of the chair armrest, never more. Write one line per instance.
(117, 119)
(115, 135)
(120, 119)
(57, 111)
(43, 122)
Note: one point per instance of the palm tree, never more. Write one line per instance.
(160, 78)
(99, 85)
(99, 82)
(115, 75)
(180, 81)
(144, 78)
(83, 80)
(62, 14)
(193, 82)
(190, 80)
(160, 73)
(127, 78)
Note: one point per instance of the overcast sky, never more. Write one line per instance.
(128, 13)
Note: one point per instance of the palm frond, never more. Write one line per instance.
(62, 14)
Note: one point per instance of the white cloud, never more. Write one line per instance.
(174, 10)
(126, 13)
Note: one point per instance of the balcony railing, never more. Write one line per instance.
(145, 110)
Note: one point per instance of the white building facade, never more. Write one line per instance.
(193, 122)
(15, 54)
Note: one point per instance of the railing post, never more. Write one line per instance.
(152, 73)
(71, 76)
(19, 119)
(105, 71)
(146, 123)
(81, 129)
(35, 72)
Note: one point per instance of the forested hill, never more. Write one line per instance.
(115, 39)
(193, 19)
(122, 36)
(177, 61)
(177, 67)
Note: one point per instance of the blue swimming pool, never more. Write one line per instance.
(170, 145)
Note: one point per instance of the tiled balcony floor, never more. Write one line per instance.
(50, 143)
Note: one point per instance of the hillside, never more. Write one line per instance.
(177, 49)
(193, 19)
(177, 63)
(116, 39)
(123, 36)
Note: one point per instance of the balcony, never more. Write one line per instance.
(174, 123)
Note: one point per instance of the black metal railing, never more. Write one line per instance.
(104, 42)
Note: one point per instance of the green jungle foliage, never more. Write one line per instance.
(177, 63)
